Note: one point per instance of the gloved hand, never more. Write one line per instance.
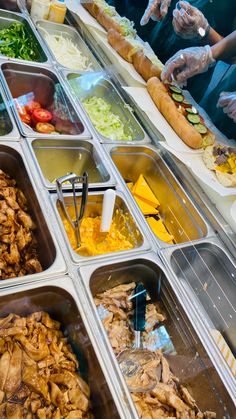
(189, 22)
(156, 10)
(227, 101)
(187, 63)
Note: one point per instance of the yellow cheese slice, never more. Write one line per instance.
(145, 208)
(143, 191)
(159, 230)
(129, 185)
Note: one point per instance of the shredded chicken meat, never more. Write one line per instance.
(39, 375)
(18, 245)
(168, 399)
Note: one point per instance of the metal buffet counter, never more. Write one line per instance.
(189, 277)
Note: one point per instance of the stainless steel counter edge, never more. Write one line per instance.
(83, 260)
(59, 266)
(159, 244)
(191, 311)
(38, 175)
(14, 135)
(26, 16)
(86, 133)
(102, 139)
(201, 324)
(67, 283)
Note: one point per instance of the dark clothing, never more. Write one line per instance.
(210, 99)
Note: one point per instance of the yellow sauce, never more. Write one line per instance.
(93, 242)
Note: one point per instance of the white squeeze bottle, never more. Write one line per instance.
(40, 9)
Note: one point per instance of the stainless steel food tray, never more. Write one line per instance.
(58, 298)
(12, 161)
(6, 18)
(179, 214)
(71, 34)
(208, 276)
(97, 84)
(93, 208)
(196, 355)
(30, 82)
(50, 159)
(12, 131)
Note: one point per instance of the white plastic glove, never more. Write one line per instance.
(189, 22)
(156, 10)
(187, 63)
(227, 101)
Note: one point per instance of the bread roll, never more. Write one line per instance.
(122, 45)
(145, 67)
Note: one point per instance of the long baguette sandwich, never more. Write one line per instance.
(222, 160)
(125, 46)
(108, 17)
(147, 64)
(180, 114)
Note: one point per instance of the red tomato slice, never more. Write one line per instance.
(44, 128)
(25, 118)
(41, 115)
(31, 106)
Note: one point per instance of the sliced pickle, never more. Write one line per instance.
(200, 128)
(175, 89)
(191, 110)
(194, 119)
(177, 98)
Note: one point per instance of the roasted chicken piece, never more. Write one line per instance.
(39, 372)
(168, 399)
(18, 255)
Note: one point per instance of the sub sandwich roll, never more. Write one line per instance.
(95, 7)
(147, 65)
(126, 47)
(180, 114)
(222, 160)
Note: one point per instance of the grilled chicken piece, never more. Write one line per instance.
(23, 238)
(25, 220)
(34, 381)
(75, 414)
(33, 266)
(13, 379)
(11, 331)
(78, 399)
(165, 375)
(6, 320)
(13, 257)
(14, 411)
(56, 414)
(21, 199)
(35, 353)
(49, 322)
(4, 368)
(187, 397)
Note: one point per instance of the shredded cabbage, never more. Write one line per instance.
(66, 53)
(104, 120)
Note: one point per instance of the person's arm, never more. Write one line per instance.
(225, 50)
(212, 37)
(195, 60)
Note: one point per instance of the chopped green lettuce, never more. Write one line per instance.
(104, 120)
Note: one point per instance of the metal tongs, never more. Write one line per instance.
(73, 179)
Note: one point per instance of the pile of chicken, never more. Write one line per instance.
(168, 399)
(39, 372)
(18, 254)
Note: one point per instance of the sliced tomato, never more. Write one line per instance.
(25, 118)
(41, 115)
(44, 128)
(31, 106)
